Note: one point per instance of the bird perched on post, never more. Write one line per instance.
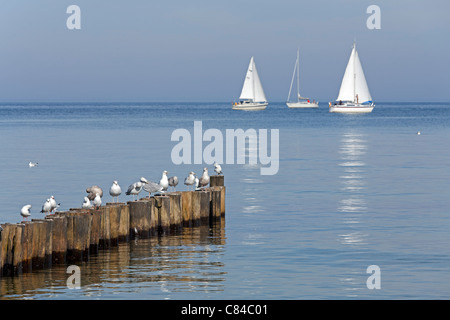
(190, 179)
(134, 189)
(173, 182)
(97, 201)
(54, 204)
(115, 190)
(152, 187)
(93, 191)
(217, 168)
(164, 182)
(25, 211)
(204, 179)
(196, 181)
(87, 203)
(47, 207)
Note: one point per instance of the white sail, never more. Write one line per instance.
(252, 88)
(354, 86)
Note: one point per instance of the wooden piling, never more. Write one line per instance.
(187, 208)
(216, 181)
(164, 219)
(176, 215)
(69, 237)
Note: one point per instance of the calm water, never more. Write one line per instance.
(351, 191)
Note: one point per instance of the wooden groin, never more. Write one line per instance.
(68, 237)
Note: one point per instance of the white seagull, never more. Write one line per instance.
(217, 168)
(204, 179)
(32, 164)
(54, 204)
(196, 181)
(87, 203)
(47, 207)
(134, 189)
(25, 211)
(97, 201)
(189, 181)
(164, 182)
(115, 190)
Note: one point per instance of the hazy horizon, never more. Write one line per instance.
(199, 51)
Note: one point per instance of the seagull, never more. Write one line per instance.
(93, 191)
(217, 168)
(189, 181)
(173, 182)
(25, 211)
(54, 204)
(164, 182)
(32, 164)
(204, 179)
(418, 133)
(196, 181)
(134, 189)
(152, 187)
(97, 201)
(47, 207)
(87, 203)
(115, 190)
(143, 180)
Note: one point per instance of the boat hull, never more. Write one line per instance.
(294, 105)
(250, 106)
(351, 108)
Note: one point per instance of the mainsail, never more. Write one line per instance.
(354, 86)
(252, 89)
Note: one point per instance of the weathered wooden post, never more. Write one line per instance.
(186, 208)
(59, 239)
(140, 217)
(176, 215)
(164, 220)
(216, 210)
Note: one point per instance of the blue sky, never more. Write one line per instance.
(199, 50)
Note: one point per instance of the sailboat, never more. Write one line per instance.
(252, 96)
(354, 95)
(301, 101)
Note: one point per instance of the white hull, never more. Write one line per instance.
(353, 108)
(250, 106)
(302, 105)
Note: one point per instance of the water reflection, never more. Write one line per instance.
(352, 149)
(158, 267)
(353, 205)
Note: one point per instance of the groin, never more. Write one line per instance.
(68, 237)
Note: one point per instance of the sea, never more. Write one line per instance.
(353, 193)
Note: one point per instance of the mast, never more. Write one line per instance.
(354, 73)
(298, 75)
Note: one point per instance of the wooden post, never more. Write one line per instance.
(27, 247)
(186, 208)
(140, 217)
(216, 181)
(59, 239)
(124, 222)
(201, 207)
(114, 224)
(39, 244)
(175, 211)
(216, 211)
(105, 228)
(164, 221)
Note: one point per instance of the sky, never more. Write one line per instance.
(199, 50)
